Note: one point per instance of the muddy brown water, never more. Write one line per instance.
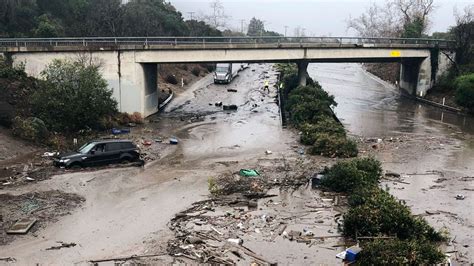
(434, 159)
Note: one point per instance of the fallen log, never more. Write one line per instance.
(128, 258)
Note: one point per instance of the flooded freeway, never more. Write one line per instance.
(433, 150)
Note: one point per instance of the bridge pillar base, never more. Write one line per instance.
(303, 73)
(416, 77)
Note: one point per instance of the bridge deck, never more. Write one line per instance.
(209, 43)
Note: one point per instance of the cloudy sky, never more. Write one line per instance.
(318, 17)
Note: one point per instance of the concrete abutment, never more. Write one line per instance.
(303, 72)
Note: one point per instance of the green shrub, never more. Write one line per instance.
(333, 145)
(9, 72)
(308, 104)
(196, 71)
(171, 79)
(397, 252)
(74, 97)
(380, 213)
(323, 125)
(31, 128)
(465, 91)
(350, 175)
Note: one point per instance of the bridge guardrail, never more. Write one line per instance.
(203, 41)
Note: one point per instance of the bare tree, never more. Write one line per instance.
(416, 9)
(390, 19)
(217, 18)
(377, 21)
(465, 17)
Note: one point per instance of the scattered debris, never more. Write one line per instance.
(249, 172)
(21, 227)
(63, 245)
(392, 174)
(50, 154)
(352, 253)
(231, 107)
(146, 142)
(116, 131)
(218, 104)
(432, 212)
(231, 90)
(8, 259)
(128, 258)
(268, 152)
(460, 197)
(174, 141)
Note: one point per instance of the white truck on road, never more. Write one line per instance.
(225, 73)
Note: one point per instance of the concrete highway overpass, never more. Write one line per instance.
(130, 65)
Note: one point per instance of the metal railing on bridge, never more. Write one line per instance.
(203, 41)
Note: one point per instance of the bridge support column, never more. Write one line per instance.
(302, 73)
(416, 77)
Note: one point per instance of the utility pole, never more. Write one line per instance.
(286, 29)
(302, 32)
(191, 15)
(242, 25)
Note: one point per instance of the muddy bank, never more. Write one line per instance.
(46, 207)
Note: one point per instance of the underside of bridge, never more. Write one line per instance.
(132, 73)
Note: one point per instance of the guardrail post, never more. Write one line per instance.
(146, 41)
(176, 41)
(83, 42)
(115, 39)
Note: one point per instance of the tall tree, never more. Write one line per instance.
(256, 27)
(463, 34)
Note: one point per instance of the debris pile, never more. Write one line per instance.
(248, 205)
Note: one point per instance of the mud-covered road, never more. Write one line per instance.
(126, 210)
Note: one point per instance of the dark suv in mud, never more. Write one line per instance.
(100, 153)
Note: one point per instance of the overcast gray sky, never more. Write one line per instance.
(318, 17)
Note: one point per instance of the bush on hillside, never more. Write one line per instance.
(31, 128)
(12, 72)
(397, 252)
(75, 97)
(465, 91)
(171, 79)
(196, 71)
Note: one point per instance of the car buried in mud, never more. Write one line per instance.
(101, 152)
